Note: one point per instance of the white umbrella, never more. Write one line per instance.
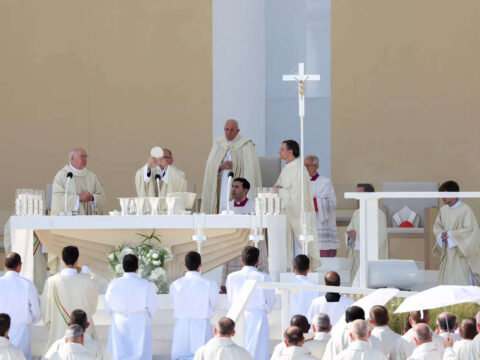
(440, 296)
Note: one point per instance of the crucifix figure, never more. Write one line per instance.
(301, 78)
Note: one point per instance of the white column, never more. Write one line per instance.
(368, 237)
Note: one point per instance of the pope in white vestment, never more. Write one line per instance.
(19, 299)
(256, 331)
(193, 298)
(230, 153)
(8, 351)
(131, 302)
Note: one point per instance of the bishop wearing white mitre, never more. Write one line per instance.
(261, 302)
(19, 299)
(290, 190)
(353, 233)
(131, 302)
(230, 153)
(171, 178)
(193, 298)
(65, 292)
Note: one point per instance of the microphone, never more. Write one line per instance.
(157, 179)
(230, 174)
(69, 177)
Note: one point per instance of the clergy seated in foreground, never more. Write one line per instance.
(446, 325)
(130, 334)
(19, 299)
(360, 348)
(289, 186)
(426, 348)
(294, 348)
(325, 201)
(94, 347)
(8, 351)
(193, 298)
(406, 344)
(73, 348)
(170, 178)
(230, 153)
(261, 302)
(353, 240)
(321, 328)
(332, 304)
(458, 241)
(241, 205)
(65, 292)
(386, 337)
(462, 349)
(300, 302)
(222, 347)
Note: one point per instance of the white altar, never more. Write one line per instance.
(97, 235)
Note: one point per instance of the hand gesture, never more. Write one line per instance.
(152, 162)
(227, 165)
(352, 234)
(86, 196)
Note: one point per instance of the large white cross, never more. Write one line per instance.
(301, 78)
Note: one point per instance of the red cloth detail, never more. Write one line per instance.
(240, 204)
(314, 177)
(315, 204)
(406, 224)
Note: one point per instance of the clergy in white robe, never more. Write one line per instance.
(332, 304)
(73, 348)
(94, 347)
(230, 153)
(19, 299)
(289, 185)
(463, 349)
(261, 302)
(325, 201)
(8, 351)
(130, 334)
(353, 233)
(171, 178)
(386, 337)
(458, 241)
(426, 348)
(406, 344)
(301, 301)
(294, 346)
(65, 292)
(221, 347)
(446, 325)
(193, 298)
(360, 348)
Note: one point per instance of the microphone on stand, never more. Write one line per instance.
(157, 180)
(229, 190)
(66, 212)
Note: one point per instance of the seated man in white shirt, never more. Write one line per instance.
(321, 328)
(73, 348)
(332, 304)
(425, 349)
(7, 350)
(294, 346)
(300, 302)
(359, 347)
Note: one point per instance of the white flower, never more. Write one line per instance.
(119, 268)
(155, 255)
(155, 287)
(153, 276)
(157, 262)
(126, 251)
(111, 256)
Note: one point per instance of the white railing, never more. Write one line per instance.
(236, 312)
(369, 220)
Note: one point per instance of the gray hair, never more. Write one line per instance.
(74, 333)
(235, 121)
(321, 322)
(423, 332)
(359, 329)
(72, 153)
(314, 158)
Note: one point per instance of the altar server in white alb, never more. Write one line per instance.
(73, 348)
(290, 190)
(353, 236)
(193, 298)
(300, 302)
(324, 201)
(131, 302)
(19, 299)
(230, 153)
(171, 179)
(458, 241)
(67, 291)
(261, 302)
(386, 337)
(8, 351)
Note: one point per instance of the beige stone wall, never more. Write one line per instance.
(114, 77)
(406, 92)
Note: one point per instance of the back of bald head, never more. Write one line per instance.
(423, 332)
(379, 315)
(12, 261)
(446, 321)
(293, 336)
(332, 278)
(301, 322)
(359, 329)
(468, 329)
(354, 313)
(225, 326)
(416, 317)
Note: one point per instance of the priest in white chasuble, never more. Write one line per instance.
(458, 241)
(230, 153)
(290, 190)
(131, 302)
(193, 298)
(353, 236)
(85, 194)
(171, 178)
(65, 292)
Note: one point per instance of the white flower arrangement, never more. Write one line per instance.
(151, 261)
